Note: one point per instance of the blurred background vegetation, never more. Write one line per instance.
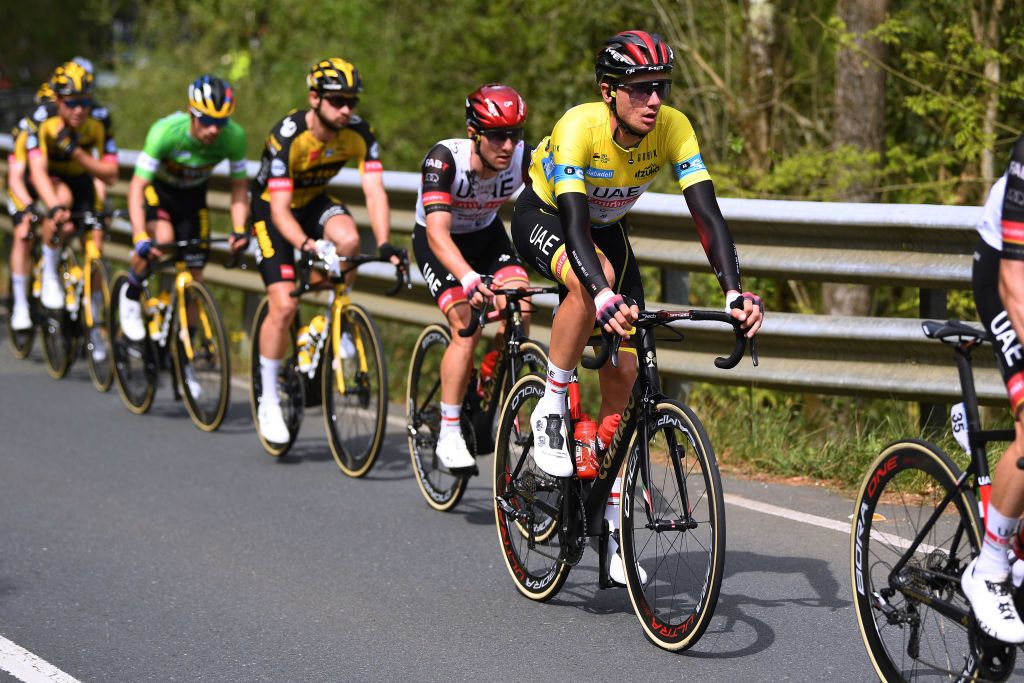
(907, 101)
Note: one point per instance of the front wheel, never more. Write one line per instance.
(135, 362)
(289, 385)
(97, 331)
(672, 527)
(908, 485)
(440, 488)
(355, 390)
(527, 502)
(205, 377)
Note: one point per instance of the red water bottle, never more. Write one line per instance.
(606, 431)
(487, 366)
(586, 454)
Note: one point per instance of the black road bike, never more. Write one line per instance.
(671, 531)
(916, 528)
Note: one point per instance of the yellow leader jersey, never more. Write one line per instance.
(92, 135)
(581, 156)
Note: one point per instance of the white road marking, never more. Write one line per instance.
(786, 513)
(25, 666)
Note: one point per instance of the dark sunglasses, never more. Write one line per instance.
(205, 120)
(498, 137)
(83, 102)
(643, 90)
(338, 101)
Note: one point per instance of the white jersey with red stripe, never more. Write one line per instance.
(448, 183)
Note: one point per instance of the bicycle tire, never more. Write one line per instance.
(354, 415)
(97, 331)
(21, 341)
(210, 366)
(441, 489)
(537, 572)
(903, 486)
(289, 385)
(135, 363)
(684, 562)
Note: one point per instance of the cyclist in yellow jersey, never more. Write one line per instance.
(569, 224)
(291, 209)
(62, 167)
(20, 197)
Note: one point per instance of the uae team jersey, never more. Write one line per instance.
(173, 157)
(448, 183)
(1002, 221)
(581, 156)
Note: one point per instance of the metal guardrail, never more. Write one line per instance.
(921, 246)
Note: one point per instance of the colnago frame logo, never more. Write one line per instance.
(613, 447)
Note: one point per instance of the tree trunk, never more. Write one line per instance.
(760, 83)
(986, 32)
(860, 123)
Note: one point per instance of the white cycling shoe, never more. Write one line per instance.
(21, 319)
(271, 423)
(992, 604)
(192, 382)
(348, 347)
(129, 312)
(617, 568)
(452, 451)
(550, 447)
(53, 293)
(99, 348)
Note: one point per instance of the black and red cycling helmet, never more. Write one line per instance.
(630, 53)
(495, 106)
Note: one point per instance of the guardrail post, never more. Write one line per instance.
(675, 289)
(933, 304)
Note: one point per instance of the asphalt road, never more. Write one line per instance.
(136, 548)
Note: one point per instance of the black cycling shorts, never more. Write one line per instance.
(185, 209)
(276, 255)
(83, 192)
(1009, 354)
(487, 251)
(540, 240)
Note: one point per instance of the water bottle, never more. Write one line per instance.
(486, 376)
(74, 278)
(156, 317)
(606, 431)
(586, 455)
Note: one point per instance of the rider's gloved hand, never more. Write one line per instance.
(474, 290)
(239, 238)
(67, 141)
(144, 247)
(390, 252)
(613, 313)
(746, 307)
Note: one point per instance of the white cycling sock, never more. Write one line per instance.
(268, 376)
(555, 389)
(51, 259)
(450, 415)
(19, 287)
(999, 529)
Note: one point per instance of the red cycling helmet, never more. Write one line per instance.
(630, 53)
(495, 106)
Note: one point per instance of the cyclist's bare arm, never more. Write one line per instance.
(377, 207)
(38, 167)
(104, 169)
(16, 182)
(137, 206)
(439, 237)
(1011, 292)
(284, 221)
(239, 201)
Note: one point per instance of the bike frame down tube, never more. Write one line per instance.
(508, 361)
(646, 392)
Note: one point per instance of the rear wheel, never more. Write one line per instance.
(907, 638)
(135, 362)
(440, 488)
(672, 528)
(205, 379)
(97, 331)
(355, 392)
(289, 386)
(527, 502)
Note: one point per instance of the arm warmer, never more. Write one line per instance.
(714, 234)
(575, 215)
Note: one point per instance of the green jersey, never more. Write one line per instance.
(173, 157)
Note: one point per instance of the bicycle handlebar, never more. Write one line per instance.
(326, 254)
(478, 318)
(648, 319)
